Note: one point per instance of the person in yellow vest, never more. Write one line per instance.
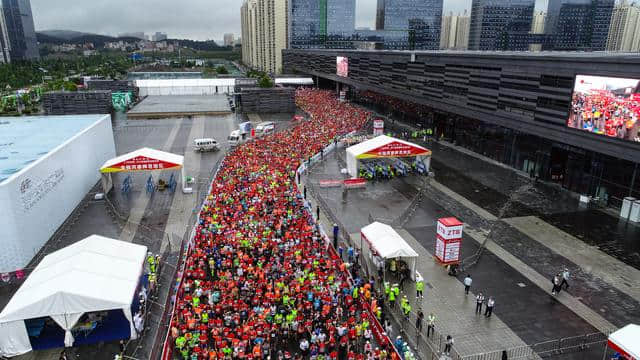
(152, 262)
(392, 298)
(396, 289)
(419, 288)
(406, 308)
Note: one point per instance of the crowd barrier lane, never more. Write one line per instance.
(167, 348)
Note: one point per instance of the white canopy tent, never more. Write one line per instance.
(94, 274)
(386, 243)
(626, 341)
(384, 147)
(294, 81)
(144, 159)
(170, 87)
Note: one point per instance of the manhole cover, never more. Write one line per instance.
(522, 284)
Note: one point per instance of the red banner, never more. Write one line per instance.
(395, 149)
(355, 183)
(141, 163)
(330, 183)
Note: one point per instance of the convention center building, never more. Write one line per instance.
(569, 118)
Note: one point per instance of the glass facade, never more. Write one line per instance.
(578, 24)
(420, 20)
(341, 17)
(500, 25)
(20, 29)
(315, 21)
(576, 169)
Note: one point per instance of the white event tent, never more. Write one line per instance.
(384, 147)
(94, 274)
(626, 341)
(386, 243)
(172, 87)
(144, 159)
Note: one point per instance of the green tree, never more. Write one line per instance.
(222, 70)
(265, 82)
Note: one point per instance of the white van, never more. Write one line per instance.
(207, 144)
(265, 128)
(235, 138)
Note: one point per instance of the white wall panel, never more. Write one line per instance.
(40, 197)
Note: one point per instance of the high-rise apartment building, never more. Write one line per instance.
(312, 22)
(578, 24)
(454, 33)
(538, 22)
(159, 36)
(264, 31)
(5, 44)
(419, 19)
(228, 40)
(624, 32)
(20, 30)
(500, 24)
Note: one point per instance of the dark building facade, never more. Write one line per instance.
(20, 29)
(419, 19)
(312, 23)
(500, 24)
(578, 24)
(512, 107)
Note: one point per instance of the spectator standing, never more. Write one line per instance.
(448, 345)
(565, 278)
(388, 328)
(336, 230)
(479, 302)
(490, 304)
(419, 320)
(431, 323)
(467, 284)
(318, 213)
(556, 284)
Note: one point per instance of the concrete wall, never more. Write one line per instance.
(38, 199)
(530, 93)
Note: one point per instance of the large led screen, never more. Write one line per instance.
(608, 106)
(342, 66)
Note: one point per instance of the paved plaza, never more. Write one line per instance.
(183, 105)
(523, 253)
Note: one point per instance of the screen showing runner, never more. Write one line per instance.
(342, 66)
(607, 106)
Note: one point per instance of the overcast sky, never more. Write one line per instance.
(192, 19)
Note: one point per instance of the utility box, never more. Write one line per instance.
(635, 212)
(627, 203)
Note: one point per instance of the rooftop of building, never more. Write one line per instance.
(24, 140)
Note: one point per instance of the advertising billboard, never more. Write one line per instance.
(342, 66)
(608, 106)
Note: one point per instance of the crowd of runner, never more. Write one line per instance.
(259, 279)
(606, 114)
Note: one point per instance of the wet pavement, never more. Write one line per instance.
(525, 307)
(489, 185)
